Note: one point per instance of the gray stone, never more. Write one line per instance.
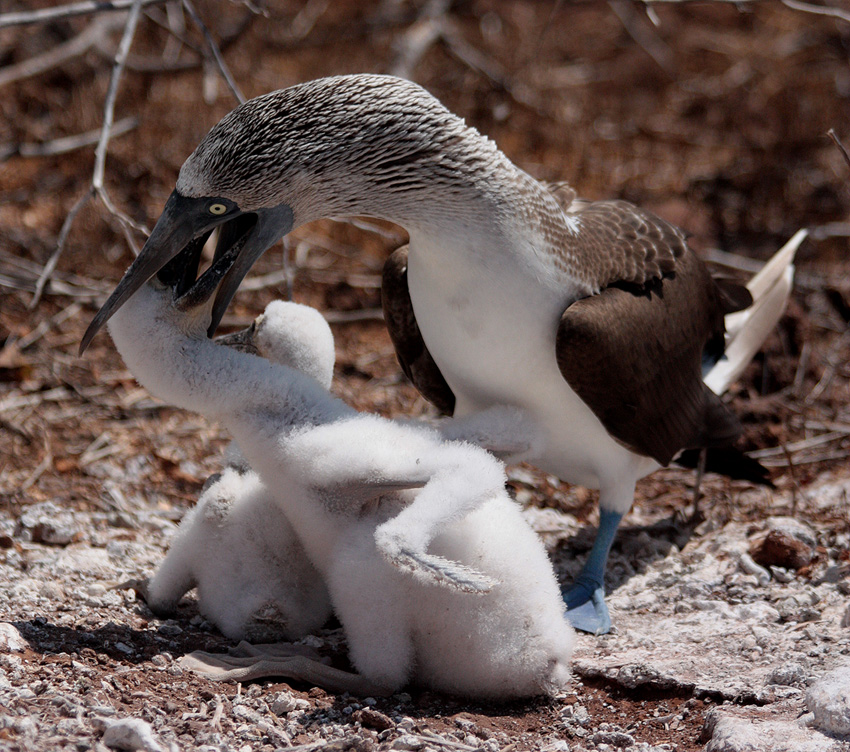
(47, 523)
(131, 734)
(732, 733)
(618, 739)
(829, 700)
(788, 674)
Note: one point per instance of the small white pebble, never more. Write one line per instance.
(131, 734)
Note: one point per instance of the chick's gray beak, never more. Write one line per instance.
(174, 230)
(272, 224)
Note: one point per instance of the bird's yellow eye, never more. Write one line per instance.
(217, 209)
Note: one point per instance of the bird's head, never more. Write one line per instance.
(335, 146)
(173, 249)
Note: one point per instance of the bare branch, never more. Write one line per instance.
(69, 312)
(126, 223)
(112, 91)
(414, 43)
(97, 188)
(34, 66)
(306, 18)
(643, 34)
(43, 466)
(214, 51)
(66, 143)
(67, 11)
(49, 267)
(821, 10)
(831, 133)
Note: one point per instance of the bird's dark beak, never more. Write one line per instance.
(185, 225)
(180, 273)
(272, 224)
(174, 230)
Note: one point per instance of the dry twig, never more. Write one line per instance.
(214, 51)
(97, 187)
(93, 34)
(834, 359)
(420, 35)
(87, 7)
(645, 36)
(821, 10)
(42, 467)
(65, 144)
(47, 324)
(831, 133)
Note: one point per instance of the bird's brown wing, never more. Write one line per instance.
(410, 348)
(634, 357)
(616, 242)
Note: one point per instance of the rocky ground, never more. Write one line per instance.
(738, 637)
(733, 632)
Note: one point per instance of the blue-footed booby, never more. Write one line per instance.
(593, 317)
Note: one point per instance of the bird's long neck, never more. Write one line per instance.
(188, 370)
(464, 188)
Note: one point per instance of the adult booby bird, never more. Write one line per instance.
(594, 317)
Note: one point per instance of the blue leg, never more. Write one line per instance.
(585, 600)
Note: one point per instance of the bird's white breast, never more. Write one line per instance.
(489, 319)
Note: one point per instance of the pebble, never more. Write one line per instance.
(789, 674)
(829, 699)
(618, 739)
(371, 718)
(750, 567)
(283, 703)
(730, 733)
(47, 523)
(131, 734)
(11, 640)
(788, 544)
(408, 741)
(793, 527)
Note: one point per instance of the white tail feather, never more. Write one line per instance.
(746, 330)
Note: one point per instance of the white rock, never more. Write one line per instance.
(829, 700)
(408, 742)
(730, 733)
(11, 640)
(788, 674)
(758, 611)
(131, 734)
(794, 528)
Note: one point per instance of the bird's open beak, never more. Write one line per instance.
(189, 293)
(185, 225)
(272, 224)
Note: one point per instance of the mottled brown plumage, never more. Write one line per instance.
(635, 357)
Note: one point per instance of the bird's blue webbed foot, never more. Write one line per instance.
(586, 609)
(585, 600)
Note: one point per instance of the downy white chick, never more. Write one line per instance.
(253, 578)
(481, 614)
